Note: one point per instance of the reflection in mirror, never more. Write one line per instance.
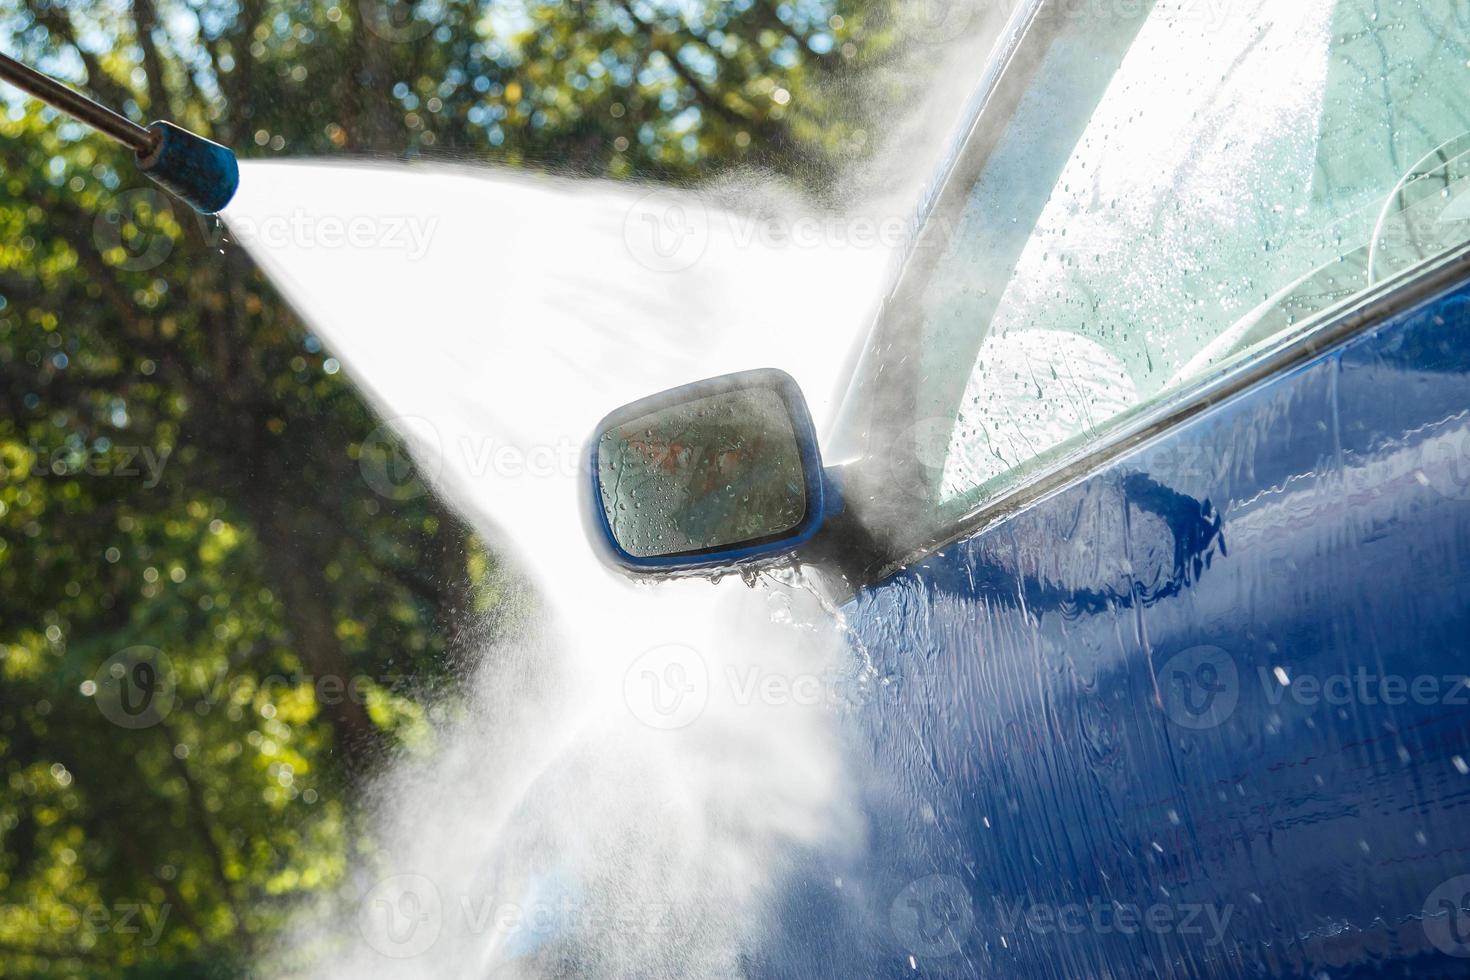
(714, 472)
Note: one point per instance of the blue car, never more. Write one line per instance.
(1148, 505)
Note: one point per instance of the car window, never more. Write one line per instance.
(1174, 188)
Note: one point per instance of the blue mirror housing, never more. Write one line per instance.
(719, 474)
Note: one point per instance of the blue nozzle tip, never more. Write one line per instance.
(192, 168)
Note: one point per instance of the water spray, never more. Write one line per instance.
(198, 171)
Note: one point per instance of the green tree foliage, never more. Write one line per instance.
(182, 465)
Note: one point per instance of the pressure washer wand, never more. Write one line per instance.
(198, 171)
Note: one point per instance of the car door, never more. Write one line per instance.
(1162, 482)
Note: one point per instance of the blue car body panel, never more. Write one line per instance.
(1166, 721)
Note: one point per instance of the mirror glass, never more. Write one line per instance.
(712, 472)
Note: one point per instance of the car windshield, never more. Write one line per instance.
(1170, 189)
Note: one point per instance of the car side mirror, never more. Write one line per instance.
(716, 474)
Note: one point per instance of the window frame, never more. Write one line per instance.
(885, 534)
